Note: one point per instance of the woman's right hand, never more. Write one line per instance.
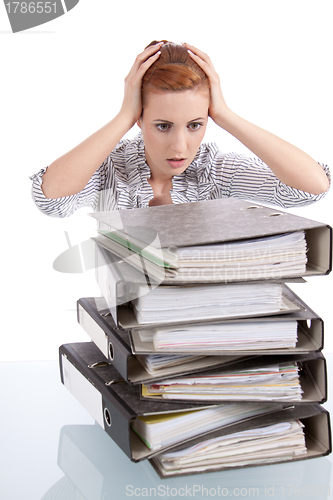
(70, 173)
(217, 107)
(132, 106)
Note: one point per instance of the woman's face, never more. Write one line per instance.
(173, 125)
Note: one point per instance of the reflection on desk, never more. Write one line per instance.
(96, 469)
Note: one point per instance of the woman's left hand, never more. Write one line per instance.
(291, 165)
(217, 107)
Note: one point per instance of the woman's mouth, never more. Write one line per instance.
(176, 162)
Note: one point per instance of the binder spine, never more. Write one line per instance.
(319, 242)
(119, 281)
(92, 327)
(104, 336)
(316, 371)
(107, 278)
(313, 329)
(116, 425)
(100, 400)
(318, 430)
(81, 388)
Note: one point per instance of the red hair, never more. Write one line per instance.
(174, 70)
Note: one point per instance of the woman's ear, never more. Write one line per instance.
(138, 122)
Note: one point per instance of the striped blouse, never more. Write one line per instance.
(121, 182)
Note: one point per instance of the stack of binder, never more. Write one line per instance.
(202, 358)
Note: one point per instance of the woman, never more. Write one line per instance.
(170, 92)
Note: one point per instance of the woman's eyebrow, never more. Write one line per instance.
(196, 120)
(164, 121)
(171, 123)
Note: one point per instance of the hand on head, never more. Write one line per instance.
(132, 105)
(217, 105)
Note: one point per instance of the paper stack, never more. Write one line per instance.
(202, 357)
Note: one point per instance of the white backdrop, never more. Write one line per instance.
(63, 80)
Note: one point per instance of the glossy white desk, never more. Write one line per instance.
(52, 449)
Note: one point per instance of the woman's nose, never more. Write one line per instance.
(179, 142)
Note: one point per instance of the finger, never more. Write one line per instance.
(143, 57)
(136, 75)
(147, 53)
(207, 68)
(201, 59)
(197, 52)
(147, 63)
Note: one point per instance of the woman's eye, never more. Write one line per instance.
(195, 126)
(163, 126)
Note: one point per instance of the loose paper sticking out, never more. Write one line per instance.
(259, 446)
(273, 382)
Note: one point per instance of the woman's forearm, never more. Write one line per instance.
(290, 164)
(70, 173)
